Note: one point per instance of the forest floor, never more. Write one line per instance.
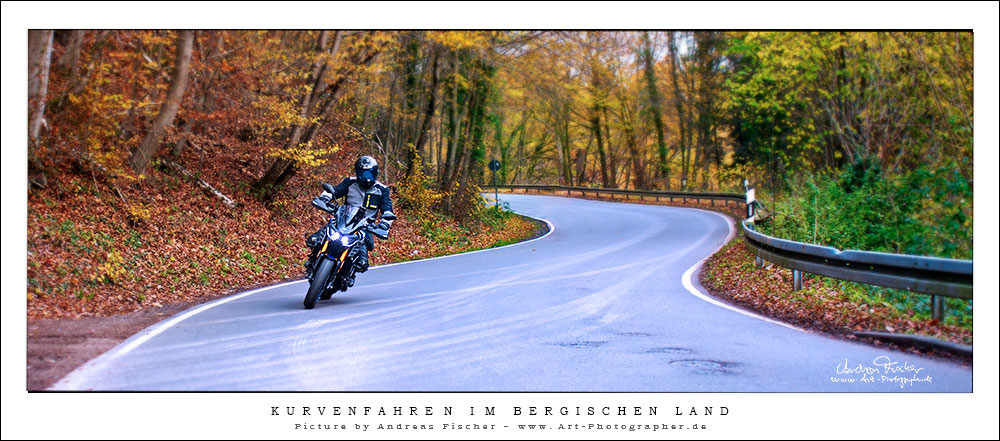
(824, 305)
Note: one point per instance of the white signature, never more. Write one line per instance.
(881, 370)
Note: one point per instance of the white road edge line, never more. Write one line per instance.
(551, 229)
(69, 381)
(689, 285)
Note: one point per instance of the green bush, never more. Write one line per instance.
(923, 212)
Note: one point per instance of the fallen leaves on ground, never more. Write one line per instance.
(732, 275)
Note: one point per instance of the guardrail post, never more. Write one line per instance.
(796, 280)
(937, 308)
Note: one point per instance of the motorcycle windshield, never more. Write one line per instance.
(348, 218)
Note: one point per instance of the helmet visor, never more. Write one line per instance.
(367, 177)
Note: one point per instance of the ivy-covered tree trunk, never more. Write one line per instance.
(477, 155)
(412, 83)
(425, 126)
(679, 106)
(142, 155)
(595, 129)
(459, 107)
(653, 108)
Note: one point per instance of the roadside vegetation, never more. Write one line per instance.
(826, 304)
(922, 212)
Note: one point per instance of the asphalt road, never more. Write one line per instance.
(604, 302)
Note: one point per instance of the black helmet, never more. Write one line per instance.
(366, 170)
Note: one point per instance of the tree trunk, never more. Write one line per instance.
(459, 110)
(440, 147)
(564, 139)
(678, 104)
(612, 153)
(692, 166)
(39, 60)
(595, 128)
(580, 162)
(428, 118)
(635, 154)
(654, 109)
(202, 102)
(178, 83)
(477, 150)
(410, 63)
(70, 60)
(462, 150)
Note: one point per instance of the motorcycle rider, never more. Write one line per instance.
(361, 190)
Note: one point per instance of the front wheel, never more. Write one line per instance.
(319, 280)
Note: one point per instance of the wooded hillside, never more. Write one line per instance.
(165, 141)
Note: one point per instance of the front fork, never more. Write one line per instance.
(345, 263)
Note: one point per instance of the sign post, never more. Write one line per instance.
(494, 166)
(751, 202)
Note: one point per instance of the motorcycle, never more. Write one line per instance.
(343, 234)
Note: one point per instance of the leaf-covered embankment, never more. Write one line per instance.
(823, 304)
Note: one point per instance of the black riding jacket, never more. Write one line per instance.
(374, 200)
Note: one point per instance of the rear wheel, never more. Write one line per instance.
(318, 284)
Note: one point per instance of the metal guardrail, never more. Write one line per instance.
(736, 197)
(921, 274)
(928, 275)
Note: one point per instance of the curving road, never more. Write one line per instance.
(604, 302)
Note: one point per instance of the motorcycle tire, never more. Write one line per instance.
(318, 284)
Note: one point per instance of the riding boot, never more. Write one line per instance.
(363, 253)
(362, 264)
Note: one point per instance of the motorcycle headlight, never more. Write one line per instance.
(334, 235)
(345, 241)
